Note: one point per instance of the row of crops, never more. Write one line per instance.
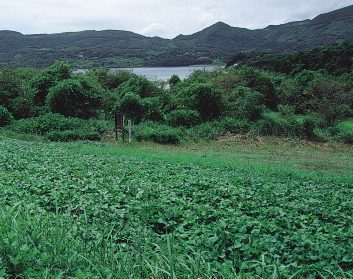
(68, 214)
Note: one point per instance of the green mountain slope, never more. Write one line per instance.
(121, 48)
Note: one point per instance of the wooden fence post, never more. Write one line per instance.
(129, 126)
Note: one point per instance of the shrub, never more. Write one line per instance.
(286, 110)
(131, 105)
(158, 133)
(152, 109)
(183, 117)
(23, 107)
(202, 97)
(322, 134)
(10, 87)
(273, 123)
(111, 80)
(48, 123)
(214, 129)
(258, 81)
(235, 126)
(344, 131)
(174, 80)
(140, 86)
(43, 124)
(245, 103)
(295, 91)
(346, 137)
(309, 123)
(5, 116)
(332, 100)
(48, 78)
(76, 98)
(206, 131)
(73, 135)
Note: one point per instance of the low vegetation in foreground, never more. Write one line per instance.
(252, 210)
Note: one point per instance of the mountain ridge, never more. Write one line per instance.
(120, 48)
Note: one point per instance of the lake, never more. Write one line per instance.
(164, 73)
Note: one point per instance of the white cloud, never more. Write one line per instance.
(154, 29)
(164, 18)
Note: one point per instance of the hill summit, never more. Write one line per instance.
(112, 48)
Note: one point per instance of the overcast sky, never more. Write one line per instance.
(164, 18)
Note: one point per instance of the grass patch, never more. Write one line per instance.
(92, 210)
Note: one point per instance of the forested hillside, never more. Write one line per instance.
(219, 41)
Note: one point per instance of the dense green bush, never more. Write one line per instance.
(245, 103)
(174, 80)
(212, 130)
(152, 109)
(295, 91)
(202, 97)
(286, 110)
(344, 131)
(23, 106)
(5, 116)
(158, 133)
(44, 124)
(273, 123)
(111, 80)
(140, 86)
(131, 105)
(10, 87)
(258, 81)
(346, 137)
(77, 98)
(235, 126)
(332, 100)
(183, 117)
(48, 78)
(73, 135)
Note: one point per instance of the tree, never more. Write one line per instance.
(255, 79)
(77, 98)
(131, 105)
(174, 80)
(43, 81)
(332, 100)
(138, 85)
(183, 117)
(296, 91)
(111, 80)
(10, 87)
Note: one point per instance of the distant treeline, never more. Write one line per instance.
(335, 59)
(307, 95)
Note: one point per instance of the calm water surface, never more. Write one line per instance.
(164, 73)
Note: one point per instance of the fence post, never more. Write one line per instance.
(123, 126)
(119, 125)
(129, 126)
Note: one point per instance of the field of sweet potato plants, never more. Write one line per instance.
(89, 210)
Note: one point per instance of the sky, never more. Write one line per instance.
(164, 18)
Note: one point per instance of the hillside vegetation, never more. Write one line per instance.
(109, 48)
(311, 99)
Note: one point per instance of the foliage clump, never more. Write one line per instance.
(5, 116)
